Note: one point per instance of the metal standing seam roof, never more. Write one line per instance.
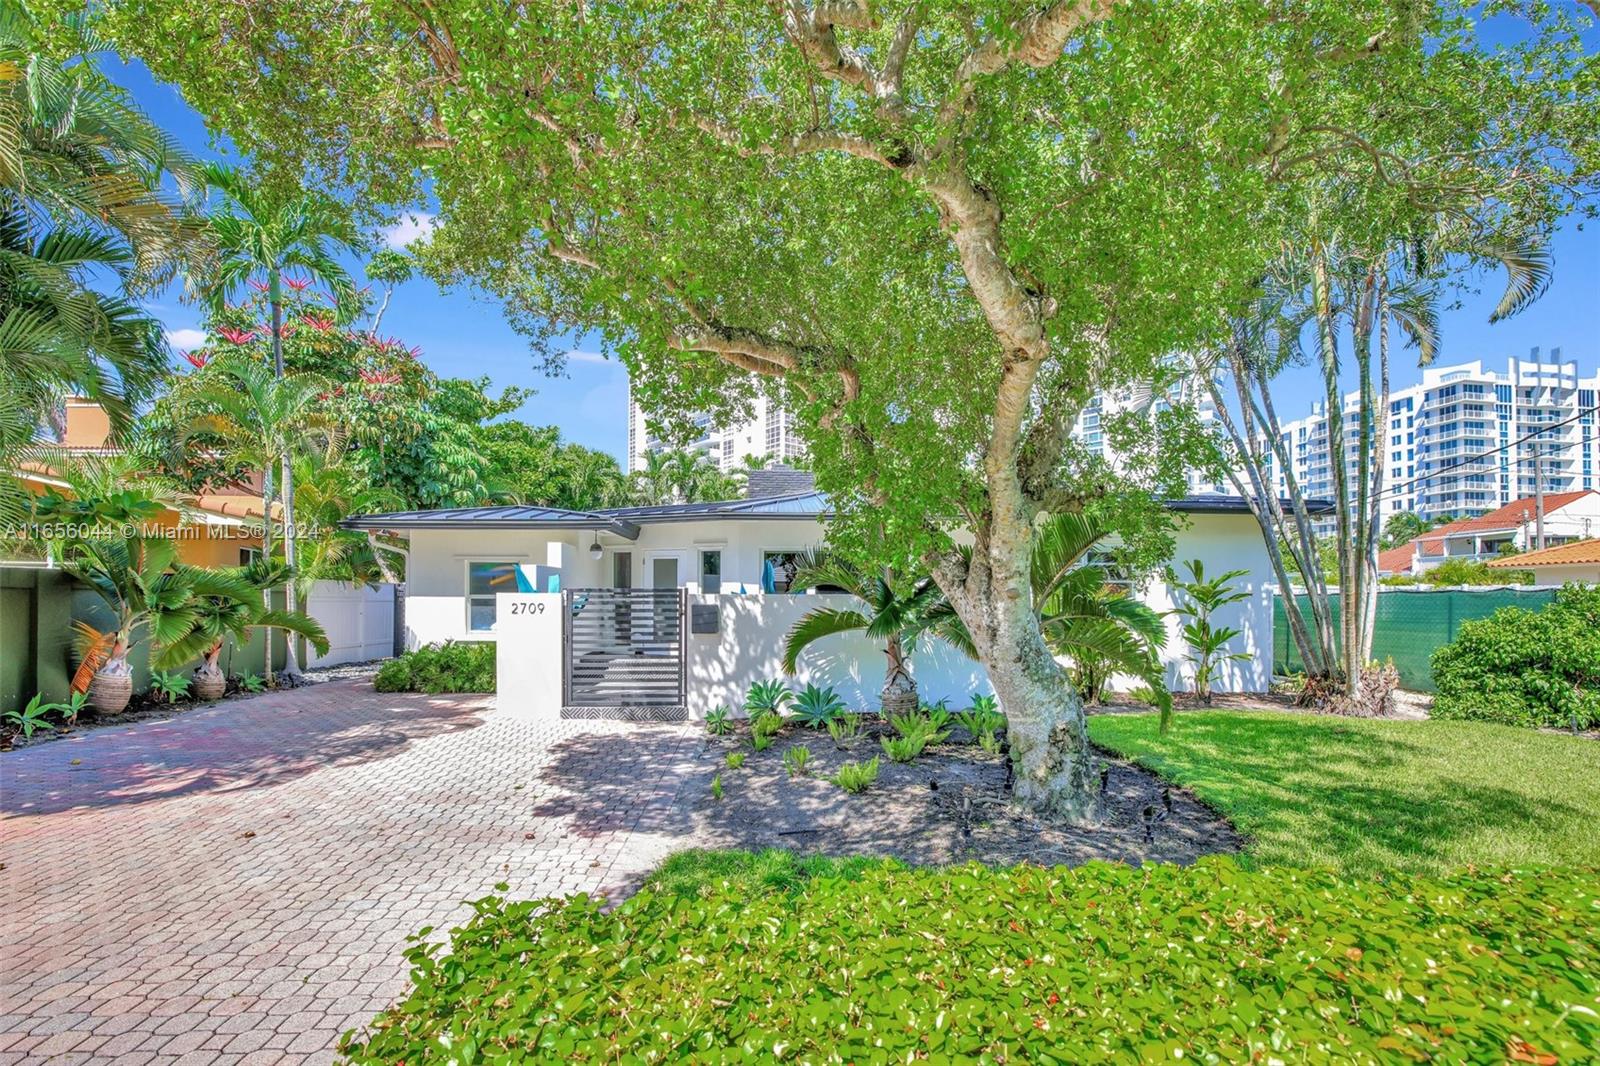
(625, 521)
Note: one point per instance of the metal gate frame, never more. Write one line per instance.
(573, 601)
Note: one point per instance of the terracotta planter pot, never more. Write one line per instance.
(109, 693)
(208, 685)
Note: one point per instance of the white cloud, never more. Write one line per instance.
(576, 356)
(185, 340)
(410, 228)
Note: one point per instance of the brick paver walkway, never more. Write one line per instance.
(236, 884)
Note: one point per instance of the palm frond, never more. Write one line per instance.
(813, 626)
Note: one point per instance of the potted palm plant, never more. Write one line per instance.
(218, 617)
(174, 606)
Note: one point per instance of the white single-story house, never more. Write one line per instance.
(684, 606)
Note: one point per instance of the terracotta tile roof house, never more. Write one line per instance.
(1568, 516)
(1398, 559)
(1578, 561)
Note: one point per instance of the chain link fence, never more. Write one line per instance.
(1412, 622)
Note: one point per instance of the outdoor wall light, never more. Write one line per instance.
(595, 551)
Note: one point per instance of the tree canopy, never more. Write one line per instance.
(932, 229)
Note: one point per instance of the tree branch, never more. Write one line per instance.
(1036, 40)
(798, 144)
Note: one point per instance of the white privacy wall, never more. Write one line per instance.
(749, 648)
(358, 620)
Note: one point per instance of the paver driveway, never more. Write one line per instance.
(236, 884)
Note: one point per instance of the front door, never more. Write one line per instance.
(664, 572)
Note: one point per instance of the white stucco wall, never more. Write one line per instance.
(749, 646)
(1583, 573)
(1221, 543)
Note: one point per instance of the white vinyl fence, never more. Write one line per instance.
(359, 621)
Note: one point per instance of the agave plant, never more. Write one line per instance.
(767, 697)
(815, 707)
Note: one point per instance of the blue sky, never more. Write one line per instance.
(464, 334)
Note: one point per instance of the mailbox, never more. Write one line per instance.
(704, 618)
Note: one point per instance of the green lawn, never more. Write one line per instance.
(1371, 797)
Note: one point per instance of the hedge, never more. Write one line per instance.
(1522, 667)
(1099, 964)
(447, 667)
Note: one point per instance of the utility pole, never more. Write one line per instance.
(1538, 493)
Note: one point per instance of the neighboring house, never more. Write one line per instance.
(466, 566)
(1568, 516)
(221, 528)
(1578, 561)
(1397, 561)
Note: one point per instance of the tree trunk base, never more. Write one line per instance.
(1053, 770)
(209, 683)
(898, 701)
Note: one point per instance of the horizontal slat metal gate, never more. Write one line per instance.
(624, 648)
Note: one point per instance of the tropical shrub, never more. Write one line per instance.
(32, 718)
(257, 683)
(1522, 667)
(856, 776)
(903, 749)
(447, 667)
(767, 697)
(797, 760)
(844, 730)
(1102, 963)
(1202, 598)
(170, 687)
(983, 721)
(815, 707)
(719, 722)
(734, 759)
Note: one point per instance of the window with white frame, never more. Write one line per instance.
(485, 580)
(711, 570)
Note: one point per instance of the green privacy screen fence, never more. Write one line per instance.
(1411, 624)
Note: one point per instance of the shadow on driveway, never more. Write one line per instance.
(238, 745)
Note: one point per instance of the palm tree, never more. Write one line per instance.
(1100, 629)
(102, 493)
(899, 611)
(150, 595)
(261, 419)
(329, 491)
(653, 484)
(234, 614)
(260, 233)
(81, 199)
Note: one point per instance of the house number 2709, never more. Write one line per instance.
(528, 608)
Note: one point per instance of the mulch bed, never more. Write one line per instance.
(951, 805)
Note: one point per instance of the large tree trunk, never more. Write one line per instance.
(1052, 764)
(1053, 768)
